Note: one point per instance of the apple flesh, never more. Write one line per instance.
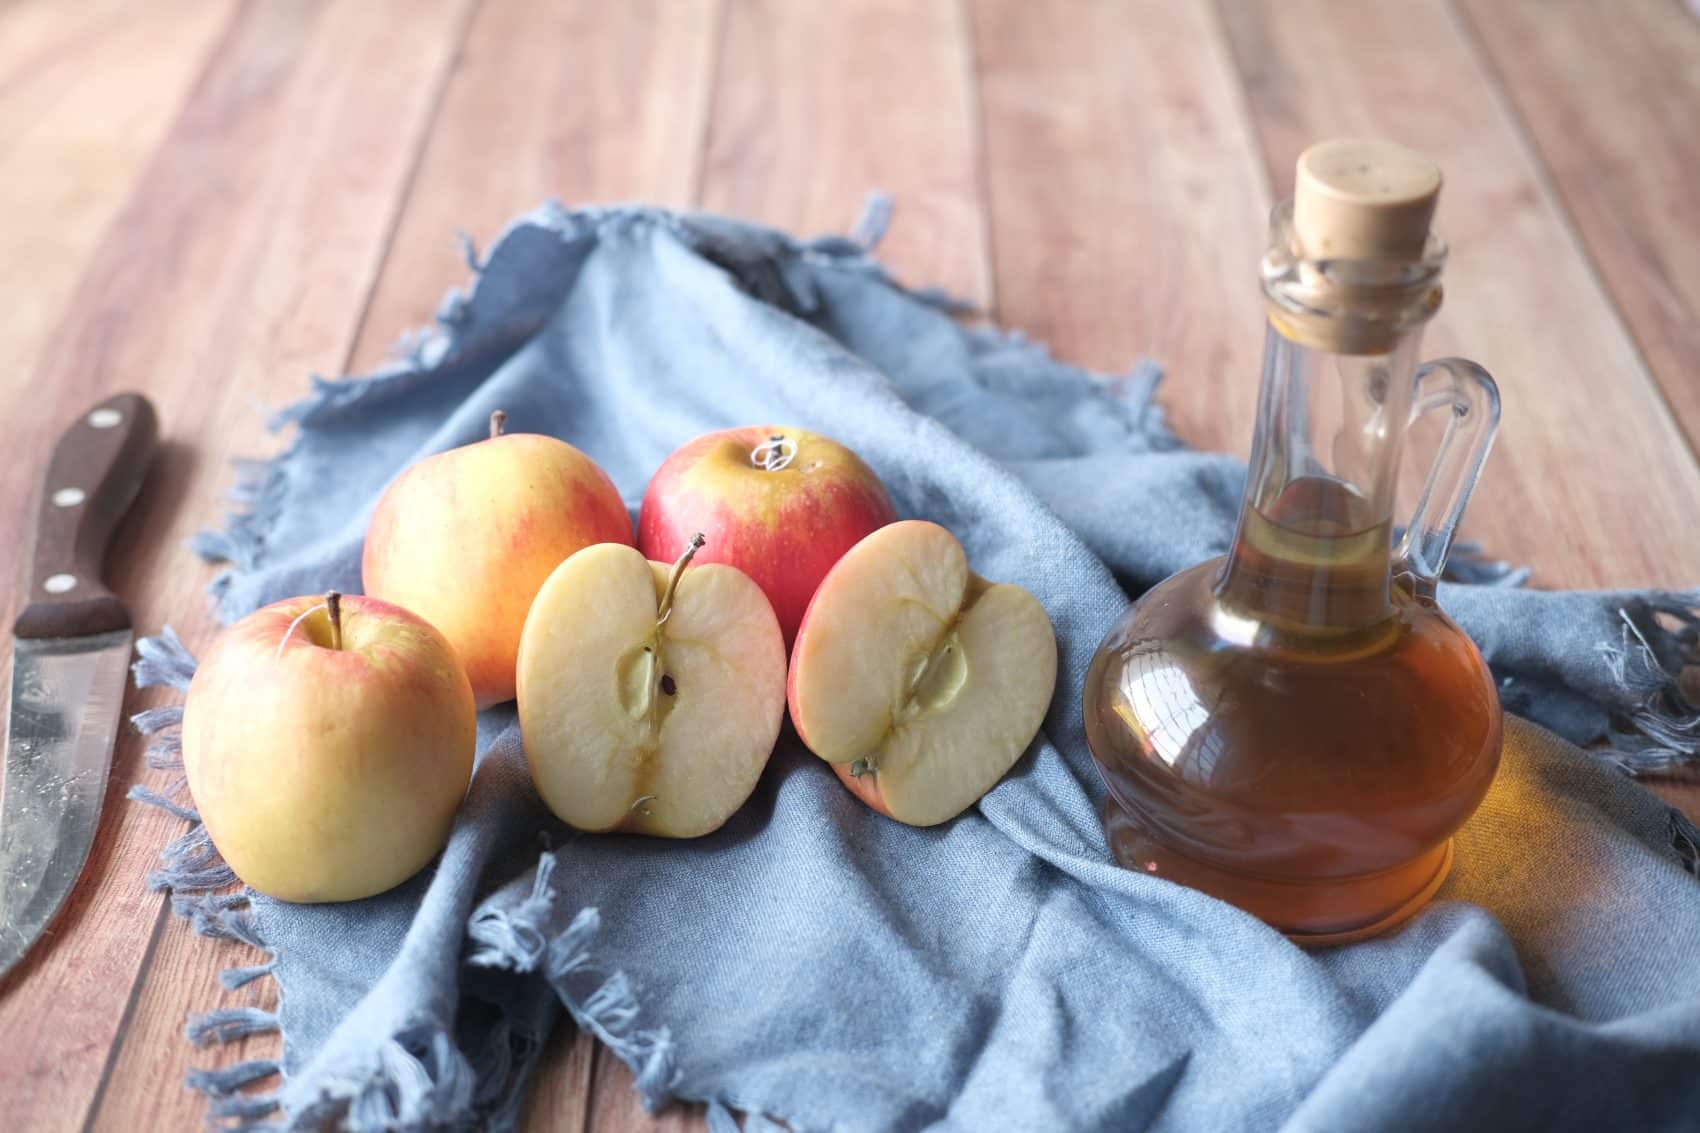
(650, 696)
(327, 755)
(781, 504)
(465, 539)
(920, 682)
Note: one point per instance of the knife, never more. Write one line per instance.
(70, 650)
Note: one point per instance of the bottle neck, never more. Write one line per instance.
(1313, 547)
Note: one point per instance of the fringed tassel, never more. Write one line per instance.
(421, 1076)
(233, 978)
(870, 228)
(163, 660)
(1468, 562)
(610, 1011)
(165, 753)
(1685, 840)
(151, 797)
(219, 916)
(245, 1110)
(228, 1079)
(228, 1024)
(225, 1104)
(721, 1120)
(515, 940)
(191, 865)
(1664, 725)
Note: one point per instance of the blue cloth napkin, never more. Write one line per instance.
(818, 964)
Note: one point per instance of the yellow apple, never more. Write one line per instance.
(328, 742)
(465, 538)
(650, 696)
(919, 681)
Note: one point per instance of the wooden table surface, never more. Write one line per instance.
(209, 200)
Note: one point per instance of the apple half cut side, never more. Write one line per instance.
(650, 696)
(921, 682)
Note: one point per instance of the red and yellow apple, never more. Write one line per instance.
(650, 696)
(778, 503)
(919, 681)
(328, 743)
(465, 539)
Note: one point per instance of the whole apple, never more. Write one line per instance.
(328, 742)
(465, 539)
(781, 504)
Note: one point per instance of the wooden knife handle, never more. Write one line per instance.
(96, 471)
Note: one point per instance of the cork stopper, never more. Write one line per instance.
(1363, 200)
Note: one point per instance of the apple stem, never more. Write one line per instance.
(774, 454)
(333, 610)
(498, 423)
(666, 612)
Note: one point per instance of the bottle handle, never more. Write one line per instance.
(1469, 392)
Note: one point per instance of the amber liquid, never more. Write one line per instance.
(1289, 731)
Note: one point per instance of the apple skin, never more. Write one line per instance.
(465, 539)
(784, 528)
(326, 774)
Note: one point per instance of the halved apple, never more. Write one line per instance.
(650, 696)
(921, 682)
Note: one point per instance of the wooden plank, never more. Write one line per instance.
(1610, 94)
(558, 1099)
(1591, 481)
(571, 99)
(1127, 199)
(614, 1105)
(241, 261)
(817, 104)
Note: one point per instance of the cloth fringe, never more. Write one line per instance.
(421, 1081)
(195, 875)
(1685, 840)
(1662, 731)
(515, 941)
(228, 1024)
(721, 1120)
(600, 1002)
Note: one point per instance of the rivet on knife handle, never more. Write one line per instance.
(94, 475)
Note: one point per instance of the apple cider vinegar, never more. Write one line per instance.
(1296, 727)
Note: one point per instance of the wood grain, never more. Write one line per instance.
(1521, 298)
(37, 33)
(1127, 198)
(1610, 94)
(558, 1098)
(816, 105)
(230, 271)
(576, 100)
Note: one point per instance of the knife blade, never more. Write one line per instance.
(70, 650)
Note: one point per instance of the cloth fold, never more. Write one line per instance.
(817, 964)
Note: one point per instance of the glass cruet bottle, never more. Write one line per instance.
(1296, 727)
